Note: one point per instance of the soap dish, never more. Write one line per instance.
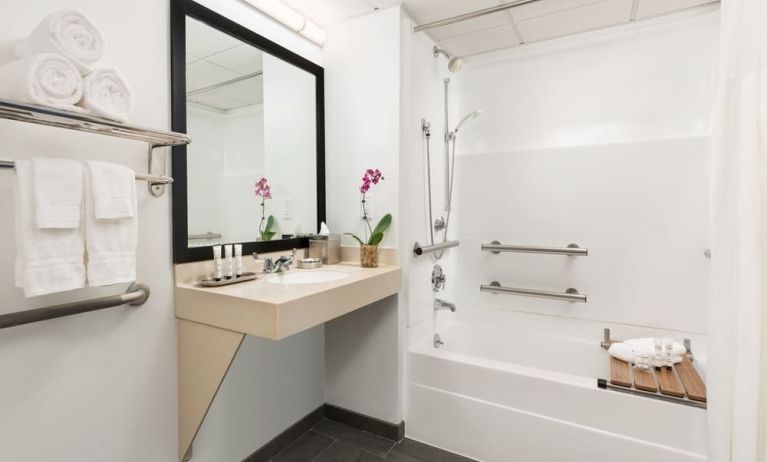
(210, 282)
(309, 263)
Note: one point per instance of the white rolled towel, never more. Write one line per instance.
(67, 32)
(107, 94)
(46, 79)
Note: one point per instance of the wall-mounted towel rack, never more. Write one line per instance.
(137, 294)
(155, 179)
(14, 110)
(570, 295)
(418, 249)
(571, 250)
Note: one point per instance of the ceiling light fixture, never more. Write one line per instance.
(291, 18)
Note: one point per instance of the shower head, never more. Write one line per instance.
(471, 115)
(454, 63)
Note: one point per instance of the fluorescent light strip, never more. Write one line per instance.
(291, 18)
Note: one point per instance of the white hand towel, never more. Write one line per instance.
(113, 189)
(46, 79)
(111, 243)
(58, 192)
(107, 94)
(47, 260)
(67, 32)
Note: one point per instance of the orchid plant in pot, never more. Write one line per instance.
(266, 227)
(373, 236)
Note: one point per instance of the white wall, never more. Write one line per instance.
(362, 118)
(102, 386)
(600, 140)
(97, 386)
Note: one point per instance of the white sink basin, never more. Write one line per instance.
(308, 277)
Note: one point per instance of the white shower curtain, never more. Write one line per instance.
(737, 373)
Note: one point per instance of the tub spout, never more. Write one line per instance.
(440, 304)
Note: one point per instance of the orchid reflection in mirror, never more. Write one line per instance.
(266, 227)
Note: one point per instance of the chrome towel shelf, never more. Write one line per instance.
(571, 250)
(418, 249)
(136, 295)
(14, 110)
(570, 295)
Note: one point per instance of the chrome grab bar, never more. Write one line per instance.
(571, 250)
(570, 295)
(418, 249)
(137, 294)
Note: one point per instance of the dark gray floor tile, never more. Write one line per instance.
(305, 448)
(409, 450)
(343, 452)
(359, 438)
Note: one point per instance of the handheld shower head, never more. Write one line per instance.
(471, 115)
(454, 63)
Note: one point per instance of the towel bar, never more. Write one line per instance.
(571, 250)
(136, 295)
(571, 295)
(153, 179)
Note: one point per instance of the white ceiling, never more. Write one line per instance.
(213, 57)
(541, 20)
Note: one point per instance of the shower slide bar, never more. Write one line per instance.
(572, 250)
(570, 295)
(153, 179)
(136, 295)
(419, 250)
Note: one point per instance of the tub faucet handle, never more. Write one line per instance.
(437, 278)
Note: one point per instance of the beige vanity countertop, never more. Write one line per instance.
(276, 310)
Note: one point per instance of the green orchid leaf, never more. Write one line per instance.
(355, 237)
(269, 224)
(267, 235)
(382, 226)
(376, 238)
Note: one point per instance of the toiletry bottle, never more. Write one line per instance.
(217, 263)
(228, 266)
(238, 259)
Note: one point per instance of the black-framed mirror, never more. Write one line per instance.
(255, 170)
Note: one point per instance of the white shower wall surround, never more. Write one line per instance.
(600, 139)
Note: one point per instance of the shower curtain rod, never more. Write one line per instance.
(472, 15)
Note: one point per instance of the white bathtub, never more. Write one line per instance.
(527, 392)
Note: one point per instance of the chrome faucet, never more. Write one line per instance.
(440, 304)
(280, 266)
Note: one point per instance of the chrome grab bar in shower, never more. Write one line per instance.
(571, 250)
(570, 295)
(136, 295)
(418, 249)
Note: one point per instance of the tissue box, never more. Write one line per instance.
(327, 248)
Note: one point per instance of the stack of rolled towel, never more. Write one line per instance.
(55, 68)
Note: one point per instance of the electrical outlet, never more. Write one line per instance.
(369, 206)
(287, 208)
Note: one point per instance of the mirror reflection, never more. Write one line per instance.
(252, 163)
